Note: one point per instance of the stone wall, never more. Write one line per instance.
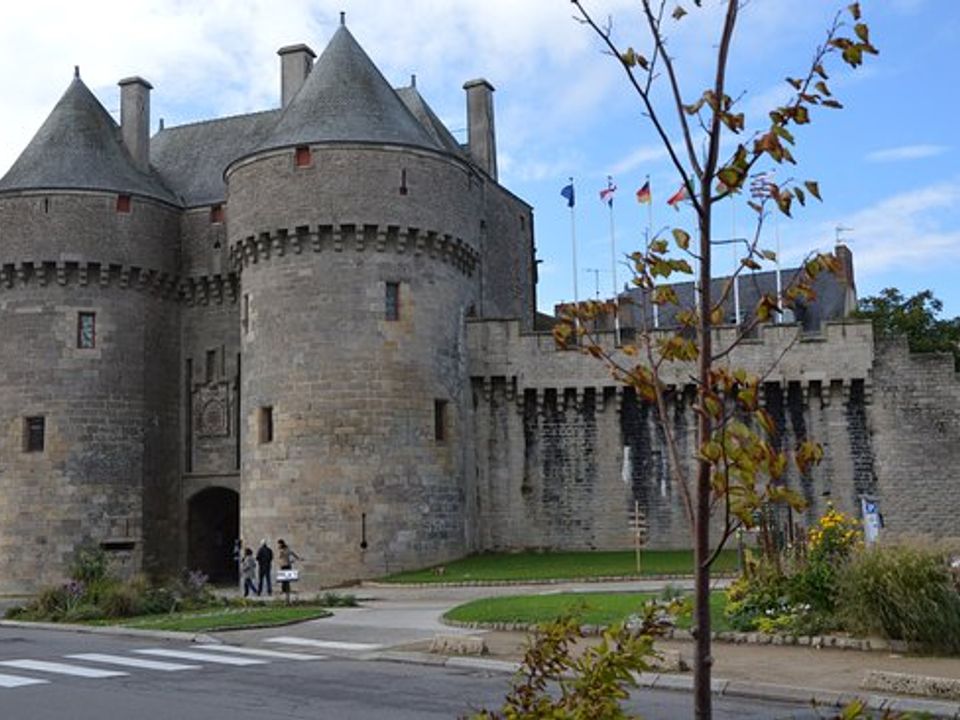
(563, 453)
(914, 419)
(108, 462)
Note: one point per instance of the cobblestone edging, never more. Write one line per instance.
(536, 581)
(738, 638)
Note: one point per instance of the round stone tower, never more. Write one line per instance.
(88, 422)
(356, 229)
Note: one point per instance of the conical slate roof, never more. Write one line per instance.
(346, 99)
(428, 118)
(79, 147)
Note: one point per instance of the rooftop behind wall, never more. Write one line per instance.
(842, 352)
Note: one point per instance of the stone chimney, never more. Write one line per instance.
(850, 286)
(481, 137)
(135, 119)
(296, 62)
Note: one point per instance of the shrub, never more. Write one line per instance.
(332, 599)
(902, 593)
(120, 600)
(90, 564)
(193, 591)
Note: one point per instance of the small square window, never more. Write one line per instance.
(302, 157)
(266, 425)
(33, 432)
(216, 215)
(440, 420)
(392, 301)
(86, 330)
(123, 203)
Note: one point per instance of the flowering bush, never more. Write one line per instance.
(835, 537)
(796, 593)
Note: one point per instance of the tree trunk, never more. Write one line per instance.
(703, 660)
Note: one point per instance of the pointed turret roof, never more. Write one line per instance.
(79, 147)
(428, 118)
(346, 99)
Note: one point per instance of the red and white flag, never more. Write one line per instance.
(678, 197)
(606, 195)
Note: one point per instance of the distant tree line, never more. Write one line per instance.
(916, 318)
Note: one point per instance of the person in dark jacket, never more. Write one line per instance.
(264, 561)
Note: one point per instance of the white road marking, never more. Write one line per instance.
(262, 653)
(133, 662)
(329, 644)
(200, 657)
(12, 681)
(61, 668)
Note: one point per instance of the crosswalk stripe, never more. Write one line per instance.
(12, 681)
(200, 657)
(329, 644)
(280, 655)
(61, 668)
(133, 662)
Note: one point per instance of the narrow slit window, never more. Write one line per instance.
(392, 301)
(33, 433)
(245, 317)
(403, 181)
(266, 425)
(211, 367)
(216, 215)
(123, 203)
(440, 420)
(86, 330)
(302, 156)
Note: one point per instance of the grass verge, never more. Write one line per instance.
(222, 618)
(562, 565)
(591, 608)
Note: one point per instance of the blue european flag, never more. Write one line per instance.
(567, 192)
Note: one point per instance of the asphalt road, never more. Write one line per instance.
(149, 680)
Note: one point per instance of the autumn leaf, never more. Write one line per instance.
(678, 12)
(813, 187)
(682, 238)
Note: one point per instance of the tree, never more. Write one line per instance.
(915, 318)
(738, 467)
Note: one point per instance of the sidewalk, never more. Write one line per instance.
(795, 673)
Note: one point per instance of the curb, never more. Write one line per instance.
(837, 642)
(719, 686)
(536, 581)
(116, 630)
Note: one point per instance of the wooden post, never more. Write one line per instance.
(636, 531)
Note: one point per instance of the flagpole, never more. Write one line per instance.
(573, 242)
(613, 269)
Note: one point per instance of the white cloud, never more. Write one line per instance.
(911, 229)
(639, 156)
(907, 152)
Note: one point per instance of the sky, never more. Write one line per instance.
(887, 163)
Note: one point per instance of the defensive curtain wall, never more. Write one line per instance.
(563, 452)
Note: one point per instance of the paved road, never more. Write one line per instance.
(54, 675)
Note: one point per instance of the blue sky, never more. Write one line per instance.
(887, 163)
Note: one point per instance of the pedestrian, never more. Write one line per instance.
(248, 572)
(286, 558)
(264, 560)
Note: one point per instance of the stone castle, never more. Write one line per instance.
(318, 322)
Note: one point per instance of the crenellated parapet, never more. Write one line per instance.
(821, 368)
(356, 237)
(85, 273)
(210, 289)
(196, 290)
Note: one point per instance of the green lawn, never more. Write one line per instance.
(224, 618)
(592, 608)
(563, 565)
